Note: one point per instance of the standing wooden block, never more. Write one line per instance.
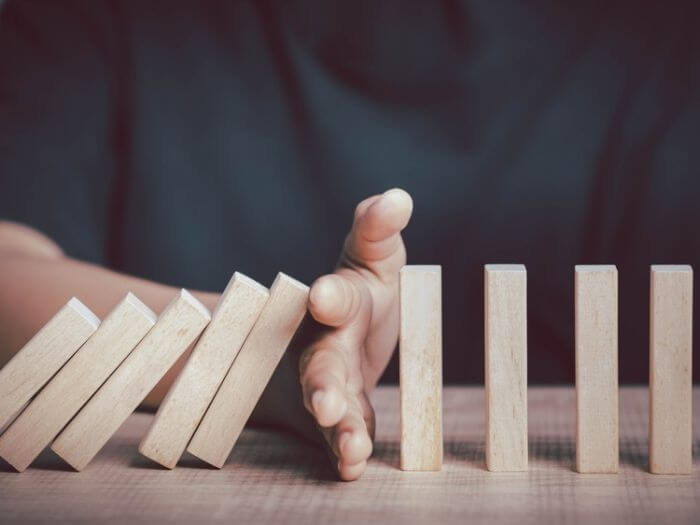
(670, 370)
(43, 355)
(597, 427)
(251, 371)
(505, 335)
(61, 399)
(188, 398)
(177, 327)
(420, 367)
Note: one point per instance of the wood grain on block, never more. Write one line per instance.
(420, 366)
(177, 327)
(188, 398)
(670, 370)
(73, 385)
(505, 335)
(251, 371)
(597, 421)
(43, 355)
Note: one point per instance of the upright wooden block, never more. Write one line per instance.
(670, 370)
(251, 371)
(597, 427)
(188, 399)
(44, 354)
(177, 327)
(505, 335)
(420, 367)
(73, 385)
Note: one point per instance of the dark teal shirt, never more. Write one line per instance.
(181, 141)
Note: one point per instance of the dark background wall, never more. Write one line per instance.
(181, 141)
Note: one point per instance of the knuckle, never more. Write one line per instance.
(311, 360)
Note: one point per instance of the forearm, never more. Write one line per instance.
(36, 279)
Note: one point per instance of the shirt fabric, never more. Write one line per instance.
(180, 141)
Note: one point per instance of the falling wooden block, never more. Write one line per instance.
(670, 370)
(420, 367)
(505, 335)
(188, 398)
(44, 354)
(597, 441)
(177, 327)
(251, 371)
(89, 367)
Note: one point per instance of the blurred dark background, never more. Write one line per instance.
(181, 141)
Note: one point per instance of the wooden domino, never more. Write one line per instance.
(420, 367)
(670, 369)
(596, 321)
(251, 371)
(77, 380)
(505, 338)
(73, 385)
(45, 353)
(177, 327)
(188, 398)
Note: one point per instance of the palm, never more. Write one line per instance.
(359, 305)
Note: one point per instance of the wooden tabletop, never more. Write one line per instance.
(273, 477)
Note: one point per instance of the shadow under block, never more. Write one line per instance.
(505, 331)
(177, 327)
(188, 398)
(670, 370)
(73, 385)
(251, 371)
(597, 418)
(43, 355)
(420, 367)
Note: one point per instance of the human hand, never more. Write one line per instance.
(359, 310)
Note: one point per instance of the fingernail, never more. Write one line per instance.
(394, 192)
(397, 196)
(317, 399)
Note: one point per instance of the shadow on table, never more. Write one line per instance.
(386, 452)
(555, 450)
(47, 460)
(263, 451)
(469, 453)
(634, 452)
(285, 454)
(5, 466)
(560, 450)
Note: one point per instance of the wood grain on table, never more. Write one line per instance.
(274, 477)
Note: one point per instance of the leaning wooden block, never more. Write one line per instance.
(420, 365)
(188, 398)
(597, 441)
(670, 370)
(177, 327)
(61, 399)
(505, 334)
(251, 371)
(44, 354)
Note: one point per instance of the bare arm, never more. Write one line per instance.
(338, 358)
(36, 279)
